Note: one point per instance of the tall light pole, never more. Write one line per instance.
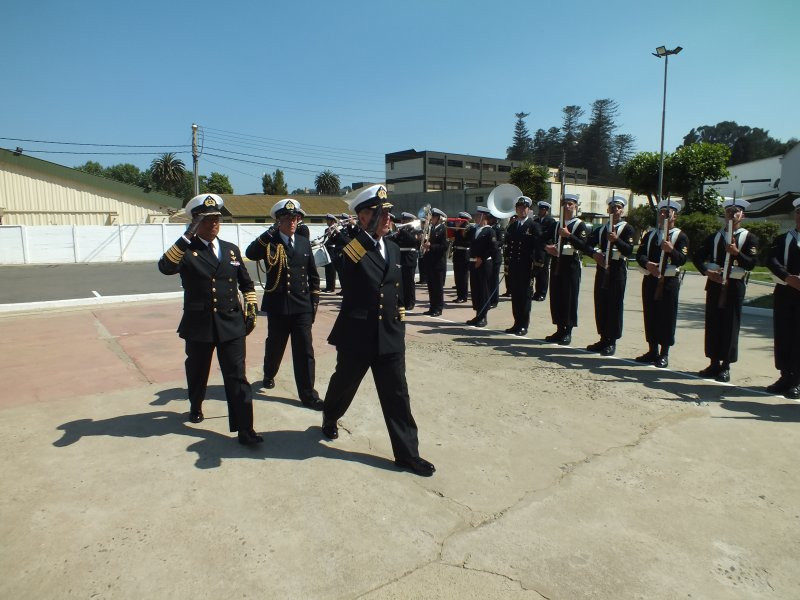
(662, 52)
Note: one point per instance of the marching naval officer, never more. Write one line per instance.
(541, 272)
(291, 297)
(369, 332)
(436, 262)
(524, 248)
(211, 270)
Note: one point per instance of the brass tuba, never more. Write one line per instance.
(502, 200)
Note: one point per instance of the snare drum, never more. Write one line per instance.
(321, 256)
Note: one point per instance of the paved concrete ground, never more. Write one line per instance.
(561, 474)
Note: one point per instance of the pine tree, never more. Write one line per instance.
(522, 148)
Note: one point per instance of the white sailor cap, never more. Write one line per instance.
(669, 203)
(464, 215)
(204, 204)
(796, 203)
(524, 200)
(407, 216)
(287, 206)
(735, 203)
(370, 197)
(483, 209)
(617, 200)
(436, 211)
(344, 216)
(576, 198)
(331, 217)
(543, 204)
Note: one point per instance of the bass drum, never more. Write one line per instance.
(321, 256)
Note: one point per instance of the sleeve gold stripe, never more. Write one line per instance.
(350, 253)
(249, 297)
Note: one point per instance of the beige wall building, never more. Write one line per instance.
(38, 192)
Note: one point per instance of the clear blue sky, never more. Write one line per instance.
(342, 83)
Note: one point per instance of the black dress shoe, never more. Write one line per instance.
(539, 298)
(249, 438)
(711, 370)
(411, 307)
(513, 329)
(428, 312)
(608, 350)
(313, 404)
(417, 465)
(597, 346)
(436, 313)
(471, 321)
(724, 376)
(793, 393)
(779, 386)
(564, 340)
(269, 383)
(647, 357)
(506, 295)
(662, 362)
(195, 417)
(479, 323)
(493, 305)
(330, 429)
(554, 336)
(521, 331)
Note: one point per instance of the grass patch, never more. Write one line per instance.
(760, 302)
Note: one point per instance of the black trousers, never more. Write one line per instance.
(786, 323)
(519, 284)
(722, 324)
(461, 273)
(479, 281)
(436, 274)
(660, 316)
(609, 301)
(330, 277)
(565, 285)
(541, 278)
(389, 374)
(279, 329)
(409, 290)
(231, 357)
(494, 281)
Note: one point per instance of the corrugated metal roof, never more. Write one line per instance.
(254, 206)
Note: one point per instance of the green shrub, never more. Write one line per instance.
(697, 226)
(765, 231)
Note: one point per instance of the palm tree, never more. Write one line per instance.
(168, 171)
(327, 182)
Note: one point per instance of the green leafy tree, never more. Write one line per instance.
(279, 183)
(125, 172)
(766, 232)
(641, 219)
(522, 147)
(746, 143)
(327, 182)
(697, 226)
(168, 172)
(93, 168)
(217, 183)
(185, 188)
(641, 176)
(267, 184)
(532, 180)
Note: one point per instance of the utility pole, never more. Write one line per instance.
(194, 159)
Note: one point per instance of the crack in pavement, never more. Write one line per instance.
(117, 349)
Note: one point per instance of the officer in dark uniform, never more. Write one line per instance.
(330, 246)
(291, 297)
(436, 261)
(211, 269)
(613, 244)
(407, 237)
(461, 257)
(524, 248)
(302, 228)
(724, 300)
(497, 260)
(369, 332)
(541, 272)
(661, 287)
(565, 274)
(784, 262)
(482, 250)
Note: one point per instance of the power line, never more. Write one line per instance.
(283, 168)
(26, 151)
(97, 145)
(381, 171)
(255, 137)
(309, 153)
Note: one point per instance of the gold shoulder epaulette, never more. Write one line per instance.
(354, 251)
(174, 254)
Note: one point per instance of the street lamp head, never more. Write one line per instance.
(662, 51)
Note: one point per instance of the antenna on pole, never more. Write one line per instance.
(194, 159)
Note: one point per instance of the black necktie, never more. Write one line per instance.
(291, 246)
(213, 251)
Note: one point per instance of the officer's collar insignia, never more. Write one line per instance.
(289, 205)
(381, 193)
(209, 201)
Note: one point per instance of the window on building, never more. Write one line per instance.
(455, 163)
(435, 186)
(504, 168)
(489, 167)
(473, 165)
(436, 161)
(453, 185)
(471, 184)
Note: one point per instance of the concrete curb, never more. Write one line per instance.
(23, 307)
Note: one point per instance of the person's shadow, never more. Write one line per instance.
(212, 447)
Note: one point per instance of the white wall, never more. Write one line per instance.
(57, 244)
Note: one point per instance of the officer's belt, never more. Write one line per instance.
(408, 249)
(477, 257)
(460, 247)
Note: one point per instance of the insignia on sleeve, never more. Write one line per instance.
(354, 251)
(753, 250)
(685, 249)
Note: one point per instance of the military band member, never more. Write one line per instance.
(541, 273)
(291, 297)
(660, 288)
(482, 250)
(724, 300)
(565, 273)
(436, 262)
(524, 247)
(784, 263)
(461, 257)
(611, 276)
(211, 269)
(330, 246)
(497, 260)
(369, 332)
(407, 237)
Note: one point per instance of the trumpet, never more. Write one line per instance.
(415, 224)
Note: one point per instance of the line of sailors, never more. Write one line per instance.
(540, 255)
